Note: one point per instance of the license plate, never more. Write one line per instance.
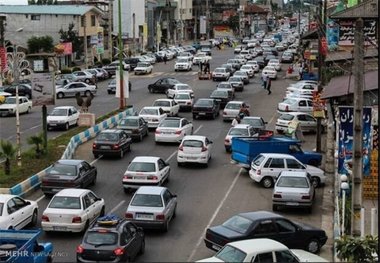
(52, 124)
(202, 113)
(191, 158)
(215, 247)
(292, 203)
(105, 147)
(144, 216)
(59, 228)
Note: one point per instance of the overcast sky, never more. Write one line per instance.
(13, 2)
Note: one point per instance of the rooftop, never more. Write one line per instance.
(48, 9)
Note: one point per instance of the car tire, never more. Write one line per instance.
(67, 126)
(267, 182)
(315, 181)
(274, 207)
(109, 92)
(166, 226)
(142, 248)
(150, 90)
(102, 212)
(127, 190)
(60, 95)
(214, 116)
(94, 180)
(179, 164)
(87, 81)
(87, 93)
(86, 226)
(33, 222)
(140, 137)
(194, 116)
(174, 212)
(96, 156)
(29, 109)
(313, 246)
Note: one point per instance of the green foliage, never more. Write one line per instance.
(37, 141)
(40, 44)
(329, 73)
(66, 71)
(106, 61)
(356, 249)
(233, 22)
(71, 36)
(8, 151)
(76, 69)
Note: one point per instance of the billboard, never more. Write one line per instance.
(43, 89)
(346, 32)
(202, 24)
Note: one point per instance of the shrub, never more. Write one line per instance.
(66, 71)
(106, 61)
(76, 69)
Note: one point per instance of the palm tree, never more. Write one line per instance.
(8, 151)
(37, 140)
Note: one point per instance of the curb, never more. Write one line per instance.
(33, 183)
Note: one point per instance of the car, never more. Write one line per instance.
(3, 96)
(238, 49)
(143, 68)
(229, 68)
(243, 75)
(24, 90)
(295, 105)
(274, 62)
(173, 129)
(84, 76)
(232, 109)
(225, 85)
(235, 63)
(10, 106)
(204, 107)
(287, 57)
(306, 121)
(266, 167)
(59, 83)
(72, 210)
(132, 62)
(247, 54)
(302, 85)
(280, 47)
(102, 73)
(293, 189)
(242, 60)
(249, 70)
(256, 122)
(111, 238)
(169, 106)
(220, 74)
(183, 63)
(239, 130)
(112, 85)
(206, 50)
(145, 171)
(113, 66)
(237, 83)
(162, 85)
(185, 100)
(111, 142)
(194, 149)
(260, 61)
(148, 59)
(270, 72)
(152, 207)
(98, 74)
(17, 212)
(200, 57)
(186, 55)
(301, 93)
(265, 224)
(222, 96)
(152, 115)
(74, 87)
(255, 65)
(62, 117)
(180, 87)
(68, 173)
(135, 126)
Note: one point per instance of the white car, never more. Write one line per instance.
(150, 59)
(72, 210)
(64, 116)
(266, 167)
(247, 54)
(186, 55)
(220, 74)
(249, 70)
(255, 66)
(173, 129)
(152, 115)
(183, 63)
(232, 109)
(145, 171)
(73, 88)
(306, 121)
(194, 149)
(295, 104)
(170, 107)
(143, 68)
(179, 87)
(239, 130)
(302, 86)
(16, 212)
(269, 71)
(185, 100)
(9, 107)
(242, 60)
(200, 57)
(243, 75)
(301, 93)
(238, 49)
(275, 63)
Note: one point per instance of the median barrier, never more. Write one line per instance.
(33, 183)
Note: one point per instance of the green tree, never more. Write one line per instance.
(233, 22)
(356, 249)
(37, 140)
(40, 44)
(71, 36)
(8, 151)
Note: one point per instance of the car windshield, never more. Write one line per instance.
(224, 86)
(170, 123)
(204, 103)
(192, 143)
(200, 55)
(182, 60)
(290, 181)
(258, 160)
(289, 101)
(147, 200)
(59, 112)
(233, 106)
(286, 117)
(142, 167)
(231, 254)
(149, 111)
(162, 103)
(100, 237)
(220, 70)
(129, 122)
(143, 65)
(237, 79)
(238, 223)
(182, 96)
(65, 202)
(10, 100)
(219, 93)
(238, 131)
(106, 136)
(62, 169)
(240, 73)
(183, 87)
(246, 67)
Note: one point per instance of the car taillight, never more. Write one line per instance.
(94, 145)
(287, 108)
(129, 215)
(45, 218)
(116, 146)
(152, 177)
(224, 113)
(155, 120)
(277, 196)
(127, 176)
(76, 219)
(80, 249)
(307, 197)
(258, 172)
(177, 132)
(180, 148)
(157, 131)
(118, 251)
(188, 103)
(204, 149)
(160, 217)
(226, 140)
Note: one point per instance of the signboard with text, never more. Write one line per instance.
(346, 32)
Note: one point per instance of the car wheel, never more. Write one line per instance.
(96, 156)
(214, 116)
(102, 212)
(166, 226)
(192, 131)
(179, 164)
(67, 126)
(267, 182)
(313, 246)
(150, 90)
(29, 109)
(127, 190)
(174, 212)
(60, 95)
(33, 222)
(142, 248)
(86, 226)
(121, 154)
(309, 209)
(140, 137)
(87, 93)
(315, 181)
(194, 116)
(109, 92)
(274, 207)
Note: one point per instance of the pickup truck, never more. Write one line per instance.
(21, 246)
(170, 107)
(245, 149)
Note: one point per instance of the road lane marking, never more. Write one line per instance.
(40, 198)
(97, 159)
(116, 207)
(190, 258)
(197, 130)
(271, 119)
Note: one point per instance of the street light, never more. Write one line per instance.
(16, 79)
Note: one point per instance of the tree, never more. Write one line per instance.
(356, 249)
(8, 151)
(71, 36)
(233, 22)
(37, 140)
(40, 44)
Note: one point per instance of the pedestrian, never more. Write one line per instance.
(235, 121)
(265, 79)
(269, 84)
(300, 72)
(165, 58)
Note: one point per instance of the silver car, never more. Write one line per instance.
(293, 189)
(74, 87)
(152, 207)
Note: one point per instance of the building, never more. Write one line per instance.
(183, 16)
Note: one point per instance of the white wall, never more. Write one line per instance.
(128, 7)
(187, 6)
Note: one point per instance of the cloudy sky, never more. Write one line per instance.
(13, 2)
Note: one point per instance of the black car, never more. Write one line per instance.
(111, 68)
(132, 62)
(260, 62)
(111, 239)
(264, 224)
(23, 90)
(134, 126)
(206, 108)
(111, 142)
(162, 85)
(221, 96)
(267, 58)
(68, 173)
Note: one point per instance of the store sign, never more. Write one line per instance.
(319, 105)
(3, 60)
(347, 32)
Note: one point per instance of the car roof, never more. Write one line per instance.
(64, 107)
(258, 245)
(145, 159)
(297, 113)
(278, 155)
(253, 117)
(6, 197)
(18, 97)
(260, 215)
(69, 161)
(111, 131)
(194, 137)
(293, 173)
(235, 102)
(152, 107)
(154, 190)
(241, 126)
(73, 192)
(163, 100)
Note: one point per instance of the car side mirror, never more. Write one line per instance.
(210, 142)
(174, 195)
(28, 203)
(265, 122)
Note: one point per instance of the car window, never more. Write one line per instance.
(309, 118)
(142, 167)
(277, 163)
(129, 122)
(86, 166)
(92, 197)
(101, 238)
(238, 223)
(309, 103)
(65, 202)
(265, 227)
(284, 226)
(294, 164)
(258, 160)
(289, 181)
(162, 103)
(285, 257)
(264, 257)
(170, 123)
(87, 201)
(149, 111)
(19, 202)
(62, 169)
(148, 200)
(294, 148)
(302, 103)
(11, 206)
(231, 254)
(167, 197)
(239, 132)
(192, 143)
(161, 164)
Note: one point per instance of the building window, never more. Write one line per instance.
(83, 21)
(35, 17)
(93, 20)
(190, 11)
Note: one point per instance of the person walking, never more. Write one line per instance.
(265, 80)
(269, 84)
(165, 58)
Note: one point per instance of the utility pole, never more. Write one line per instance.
(110, 21)
(84, 24)
(134, 32)
(208, 28)
(2, 48)
(121, 67)
(16, 79)
(357, 165)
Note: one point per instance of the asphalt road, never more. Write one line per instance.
(206, 196)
